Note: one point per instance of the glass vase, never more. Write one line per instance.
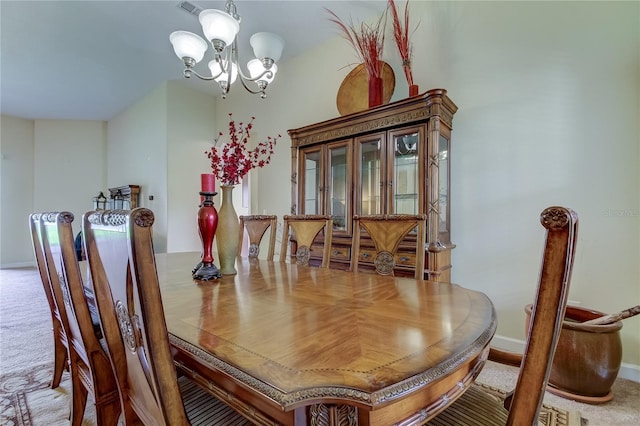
(227, 233)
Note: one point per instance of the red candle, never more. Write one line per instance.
(208, 182)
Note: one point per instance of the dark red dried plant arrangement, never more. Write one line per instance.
(401, 37)
(367, 41)
(234, 160)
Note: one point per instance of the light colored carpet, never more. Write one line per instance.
(26, 336)
(26, 362)
(623, 410)
(28, 401)
(42, 406)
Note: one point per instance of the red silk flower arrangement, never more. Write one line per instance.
(231, 162)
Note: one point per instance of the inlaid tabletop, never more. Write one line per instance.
(298, 335)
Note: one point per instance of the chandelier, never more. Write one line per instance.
(220, 29)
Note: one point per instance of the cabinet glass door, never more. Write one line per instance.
(312, 184)
(339, 184)
(405, 174)
(443, 196)
(368, 187)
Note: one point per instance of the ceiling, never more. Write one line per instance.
(90, 59)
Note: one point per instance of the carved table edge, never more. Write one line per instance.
(289, 401)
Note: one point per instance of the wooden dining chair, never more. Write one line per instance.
(255, 227)
(387, 232)
(88, 362)
(522, 405)
(305, 228)
(119, 249)
(60, 342)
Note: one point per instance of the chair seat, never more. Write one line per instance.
(204, 409)
(474, 407)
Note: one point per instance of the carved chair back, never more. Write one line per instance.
(387, 233)
(255, 227)
(59, 336)
(89, 364)
(305, 228)
(522, 406)
(119, 250)
(547, 316)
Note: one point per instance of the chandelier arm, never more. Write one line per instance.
(188, 72)
(228, 59)
(250, 90)
(265, 73)
(225, 86)
(244, 78)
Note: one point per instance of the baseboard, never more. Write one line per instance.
(627, 371)
(17, 265)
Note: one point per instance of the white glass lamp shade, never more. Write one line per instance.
(267, 45)
(256, 68)
(218, 25)
(188, 45)
(214, 66)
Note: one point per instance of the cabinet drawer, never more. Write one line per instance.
(366, 255)
(316, 250)
(402, 259)
(340, 253)
(336, 252)
(406, 259)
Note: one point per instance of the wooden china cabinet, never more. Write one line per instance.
(392, 159)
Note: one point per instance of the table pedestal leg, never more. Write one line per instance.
(332, 415)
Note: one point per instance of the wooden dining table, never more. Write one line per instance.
(297, 345)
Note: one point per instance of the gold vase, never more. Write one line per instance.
(227, 233)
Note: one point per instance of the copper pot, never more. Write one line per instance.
(588, 357)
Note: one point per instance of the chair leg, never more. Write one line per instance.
(79, 395)
(105, 391)
(130, 416)
(108, 412)
(59, 361)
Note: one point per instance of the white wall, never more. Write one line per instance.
(69, 166)
(548, 115)
(137, 154)
(16, 190)
(48, 165)
(190, 131)
(159, 144)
